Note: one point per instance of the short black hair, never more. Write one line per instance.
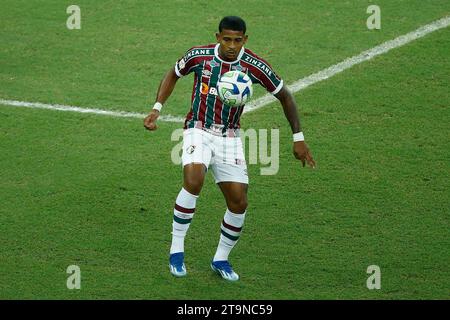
(232, 23)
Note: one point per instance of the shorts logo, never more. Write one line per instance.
(239, 162)
(205, 88)
(190, 149)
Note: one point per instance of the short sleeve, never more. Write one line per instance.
(263, 73)
(270, 80)
(185, 64)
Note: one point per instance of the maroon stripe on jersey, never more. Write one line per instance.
(232, 228)
(190, 114)
(203, 97)
(189, 117)
(236, 117)
(193, 89)
(231, 116)
(218, 105)
(183, 209)
(238, 122)
(202, 109)
(206, 80)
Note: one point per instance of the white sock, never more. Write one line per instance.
(230, 231)
(182, 216)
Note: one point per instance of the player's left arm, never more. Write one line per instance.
(300, 148)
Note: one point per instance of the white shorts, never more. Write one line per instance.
(224, 155)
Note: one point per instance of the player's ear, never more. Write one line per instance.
(245, 38)
(218, 36)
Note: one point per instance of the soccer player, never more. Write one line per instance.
(211, 136)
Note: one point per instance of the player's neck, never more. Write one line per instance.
(224, 58)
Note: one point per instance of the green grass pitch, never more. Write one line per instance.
(98, 192)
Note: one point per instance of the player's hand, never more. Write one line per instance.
(150, 120)
(302, 153)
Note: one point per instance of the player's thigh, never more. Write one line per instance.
(228, 163)
(196, 159)
(196, 147)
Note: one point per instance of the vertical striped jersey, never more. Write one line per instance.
(207, 111)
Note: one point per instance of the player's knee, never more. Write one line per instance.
(238, 206)
(193, 186)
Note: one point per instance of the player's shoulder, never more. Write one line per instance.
(255, 63)
(202, 50)
(253, 58)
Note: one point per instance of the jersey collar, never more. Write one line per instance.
(216, 53)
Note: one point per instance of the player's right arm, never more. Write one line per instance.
(164, 91)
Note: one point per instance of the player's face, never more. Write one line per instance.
(231, 43)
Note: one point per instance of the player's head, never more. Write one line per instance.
(232, 23)
(231, 37)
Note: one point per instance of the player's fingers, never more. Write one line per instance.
(147, 122)
(151, 118)
(150, 126)
(311, 161)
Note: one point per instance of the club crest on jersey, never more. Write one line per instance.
(214, 64)
(239, 68)
(190, 149)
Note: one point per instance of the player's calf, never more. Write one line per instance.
(183, 214)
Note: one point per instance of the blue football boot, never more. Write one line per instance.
(225, 270)
(176, 264)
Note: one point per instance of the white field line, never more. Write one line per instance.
(268, 98)
(350, 62)
(59, 107)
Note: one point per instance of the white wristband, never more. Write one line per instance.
(298, 137)
(157, 106)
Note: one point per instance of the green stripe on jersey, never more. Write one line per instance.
(210, 102)
(197, 99)
(226, 109)
(225, 113)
